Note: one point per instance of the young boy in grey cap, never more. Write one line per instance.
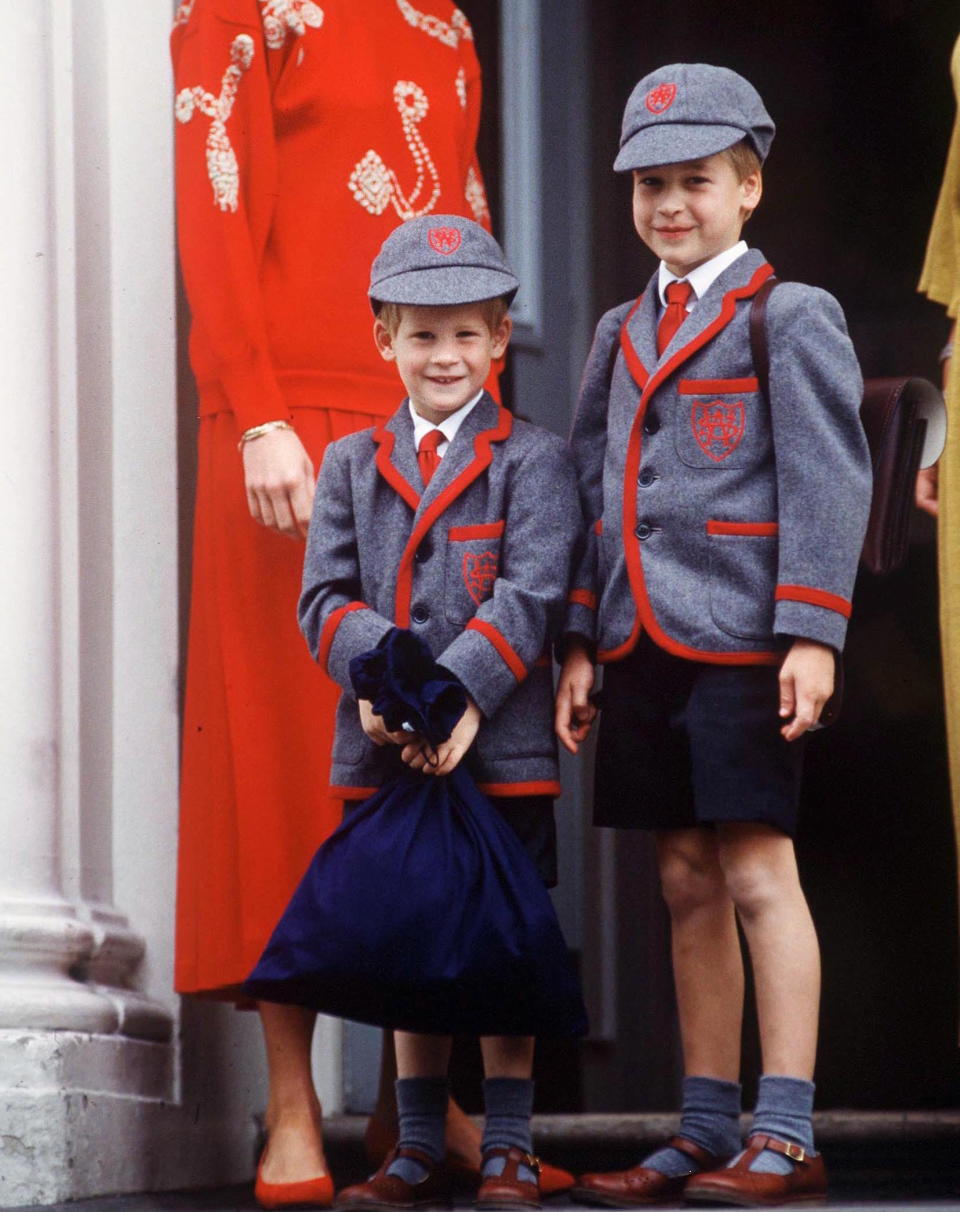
(725, 523)
(458, 521)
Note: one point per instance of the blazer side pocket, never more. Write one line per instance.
(743, 575)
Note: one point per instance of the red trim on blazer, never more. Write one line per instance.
(631, 546)
(385, 440)
(814, 597)
(631, 357)
(482, 458)
(330, 630)
(703, 387)
(582, 597)
(502, 645)
(606, 655)
(487, 530)
(352, 793)
(543, 787)
(598, 526)
(765, 529)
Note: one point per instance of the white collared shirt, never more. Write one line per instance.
(701, 278)
(448, 427)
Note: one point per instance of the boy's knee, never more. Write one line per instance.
(689, 879)
(752, 884)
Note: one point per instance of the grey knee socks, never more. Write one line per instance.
(785, 1111)
(508, 1103)
(422, 1107)
(710, 1118)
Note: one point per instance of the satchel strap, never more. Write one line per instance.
(759, 347)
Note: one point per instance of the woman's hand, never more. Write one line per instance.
(928, 491)
(446, 757)
(280, 482)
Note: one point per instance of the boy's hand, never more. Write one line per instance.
(574, 712)
(806, 682)
(446, 757)
(376, 729)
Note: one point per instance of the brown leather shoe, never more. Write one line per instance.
(385, 1192)
(507, 1189)
(742, 1187)
(640, 1186)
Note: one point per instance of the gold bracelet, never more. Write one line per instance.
(258, 431)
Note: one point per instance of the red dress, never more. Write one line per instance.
(305, 132)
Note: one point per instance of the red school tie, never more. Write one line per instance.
(674, 314)
(427, 455)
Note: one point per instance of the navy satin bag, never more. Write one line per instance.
(423, 912)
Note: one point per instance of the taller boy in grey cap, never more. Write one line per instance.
(724, 527)
(458, 521)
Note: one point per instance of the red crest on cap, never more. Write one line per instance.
(660, 99)
(444, 240)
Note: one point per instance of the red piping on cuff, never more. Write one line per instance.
(598, 526)
(503, 647)
(330, 630)
(583, 597)
(814, 597)
(352, 793)
(543, 787)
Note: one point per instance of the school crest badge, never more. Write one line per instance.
(479, 573)
(444, 240)
(660, 99)
(718, 427)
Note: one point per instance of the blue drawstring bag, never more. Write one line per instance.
(423, 912)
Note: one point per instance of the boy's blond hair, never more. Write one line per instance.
(744, 159)
(494, 312)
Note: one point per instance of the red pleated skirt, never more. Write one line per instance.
(258, 722)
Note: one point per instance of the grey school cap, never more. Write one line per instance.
(440, 260)
(688, 111)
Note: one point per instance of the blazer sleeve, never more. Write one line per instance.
(588, 445)
(226, 169)
(514, 627)
(824, 476)
(335, 622)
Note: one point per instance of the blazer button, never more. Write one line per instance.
(646, 478)
(420, 614)
(423, 552)
(644, 531)
(651, 424)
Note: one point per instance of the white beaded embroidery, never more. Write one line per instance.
(375, 186)
(449, 33)
(462, 87)
(279, 16)
(182, 15)
(222, 166)
(476, 196)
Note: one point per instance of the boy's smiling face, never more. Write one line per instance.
(689, 212)
(443, 354)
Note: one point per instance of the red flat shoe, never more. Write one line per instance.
(311, 1193)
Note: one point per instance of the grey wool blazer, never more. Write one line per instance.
(477, 564)
(722, 524)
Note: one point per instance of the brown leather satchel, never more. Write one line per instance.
(895, 415)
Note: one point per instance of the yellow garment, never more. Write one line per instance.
(940, 281)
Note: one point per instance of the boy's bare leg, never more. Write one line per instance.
(421, 1055)
(760, 867)
(707, 964)
(507, 1055)
(293, 1121)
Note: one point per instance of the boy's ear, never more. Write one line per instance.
(751, 190)
(384, 340)
(501, 338)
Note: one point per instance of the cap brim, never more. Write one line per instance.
(673, 143)
(445, 286)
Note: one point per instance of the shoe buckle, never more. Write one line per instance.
(533, 1162)
(796, 1153)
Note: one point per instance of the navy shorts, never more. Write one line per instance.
(684, 743)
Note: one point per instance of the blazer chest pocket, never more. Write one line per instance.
(721, 423)
(473, 564)
(743, 573)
